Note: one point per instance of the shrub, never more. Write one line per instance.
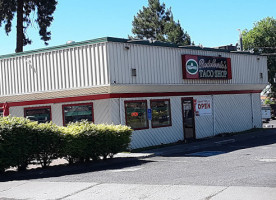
(48, 143)
(23, 141)
(85, 141)
(16, 142)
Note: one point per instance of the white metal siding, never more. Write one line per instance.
(257, 113)
(204, 125)
(75, 67)
(232, 113)
(163, 65)
(102, 111)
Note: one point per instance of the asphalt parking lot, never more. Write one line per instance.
(243, 167)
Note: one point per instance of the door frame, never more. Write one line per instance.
(192, 99)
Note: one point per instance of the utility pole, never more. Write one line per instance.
(241, 45)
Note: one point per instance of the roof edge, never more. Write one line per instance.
(98, 40)
(121, 40)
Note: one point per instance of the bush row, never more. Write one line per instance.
(23, 142)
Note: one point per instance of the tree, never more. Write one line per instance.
(262, 39)
(23, 8)
(155, 22)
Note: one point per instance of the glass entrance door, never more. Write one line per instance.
(188, 118)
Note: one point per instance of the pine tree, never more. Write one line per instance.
(23, 8)
(156, 22)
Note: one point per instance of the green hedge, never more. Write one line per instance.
(23, 142)
(16, 142)
(85, 141)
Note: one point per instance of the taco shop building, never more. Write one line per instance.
(164, 92)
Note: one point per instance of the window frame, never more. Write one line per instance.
(137, 101)
(152, 100)
(37, 108)
(76, 104)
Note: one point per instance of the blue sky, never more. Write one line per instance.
(209, 22)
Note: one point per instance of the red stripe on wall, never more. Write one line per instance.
(125, 95)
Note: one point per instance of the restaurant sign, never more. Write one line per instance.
(206, 67)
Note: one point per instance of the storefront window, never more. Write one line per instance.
(77, 112)
(1, 113)
(40, 114)
(161, 113)
(136, 114)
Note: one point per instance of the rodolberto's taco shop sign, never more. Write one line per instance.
(206, 67)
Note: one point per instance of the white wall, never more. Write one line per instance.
(230, 113)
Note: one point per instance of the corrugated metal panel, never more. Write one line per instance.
(232, 113)
(204, 125)
(257, 113)
(102, 111)
(75, 67)
(162, 65)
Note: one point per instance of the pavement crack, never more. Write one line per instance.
(89, 187)
(211, 196)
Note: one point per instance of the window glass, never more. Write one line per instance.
(161, 114)
(1, 113)
(41, 115)
(136, 114)
(76, 113)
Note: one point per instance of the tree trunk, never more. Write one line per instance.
(19, 27)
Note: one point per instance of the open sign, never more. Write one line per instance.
(204, 107)
(134, 114)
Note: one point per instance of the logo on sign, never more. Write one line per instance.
(192, 66)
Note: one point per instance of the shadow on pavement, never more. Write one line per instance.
(79, 168)
(243, 142)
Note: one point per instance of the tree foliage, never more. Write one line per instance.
(262, 39)
(155, 22)
(23, 9)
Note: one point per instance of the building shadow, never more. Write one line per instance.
(66, 169)
(240, 142)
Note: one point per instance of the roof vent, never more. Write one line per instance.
(70, 42)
